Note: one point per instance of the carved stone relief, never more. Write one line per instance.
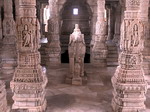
(129, 82)
(29, 81)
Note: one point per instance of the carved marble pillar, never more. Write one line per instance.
(93, 24)
(54, 49)
(99, 50)
(8, 52)
(3, 101)
(116, 38)
(129, 84)
(1, 35)
(29, 81)
(41, 19)
(146, 51)
(111, 22)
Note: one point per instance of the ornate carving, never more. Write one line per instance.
(133, 3)
(128, 82)
(29, 80)
(53, 8)
(8, 27)
(53, 26)
(28, 29)
(133, 37)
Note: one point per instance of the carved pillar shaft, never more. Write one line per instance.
(29, 81)
(1, 35)
(111, 23)
(8, 52)
(3, 101)
(54, 49)
(116, 38)
(146, 53)
(93, 24)
(128, 82)
(99, 50)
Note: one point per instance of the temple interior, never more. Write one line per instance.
(74, 55)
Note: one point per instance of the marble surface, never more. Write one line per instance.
(94, 97)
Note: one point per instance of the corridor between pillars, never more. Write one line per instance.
(29, 81)
(129, 84)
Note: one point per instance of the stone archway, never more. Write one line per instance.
(68, 20)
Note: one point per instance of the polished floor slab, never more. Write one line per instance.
(94, 97)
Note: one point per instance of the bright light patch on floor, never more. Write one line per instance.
(75, 11)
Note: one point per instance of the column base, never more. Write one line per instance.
(29, 96)
(118, 108)
(41, 108)
(128, 97)
(98, 58)
(76, 81)
(99, 63)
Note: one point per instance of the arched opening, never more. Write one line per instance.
(75, 12)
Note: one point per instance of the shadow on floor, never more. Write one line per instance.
(61, 101)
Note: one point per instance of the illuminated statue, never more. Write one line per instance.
(77, 50)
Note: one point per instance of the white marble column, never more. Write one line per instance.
(54, 49)
(29, 81)
(129, 83)
(99, 50)
(8, 52)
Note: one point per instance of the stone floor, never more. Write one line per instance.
(94, 97)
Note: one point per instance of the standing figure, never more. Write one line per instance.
(77, 50)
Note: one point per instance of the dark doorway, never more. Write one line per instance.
(69, 18)
(65, 57)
